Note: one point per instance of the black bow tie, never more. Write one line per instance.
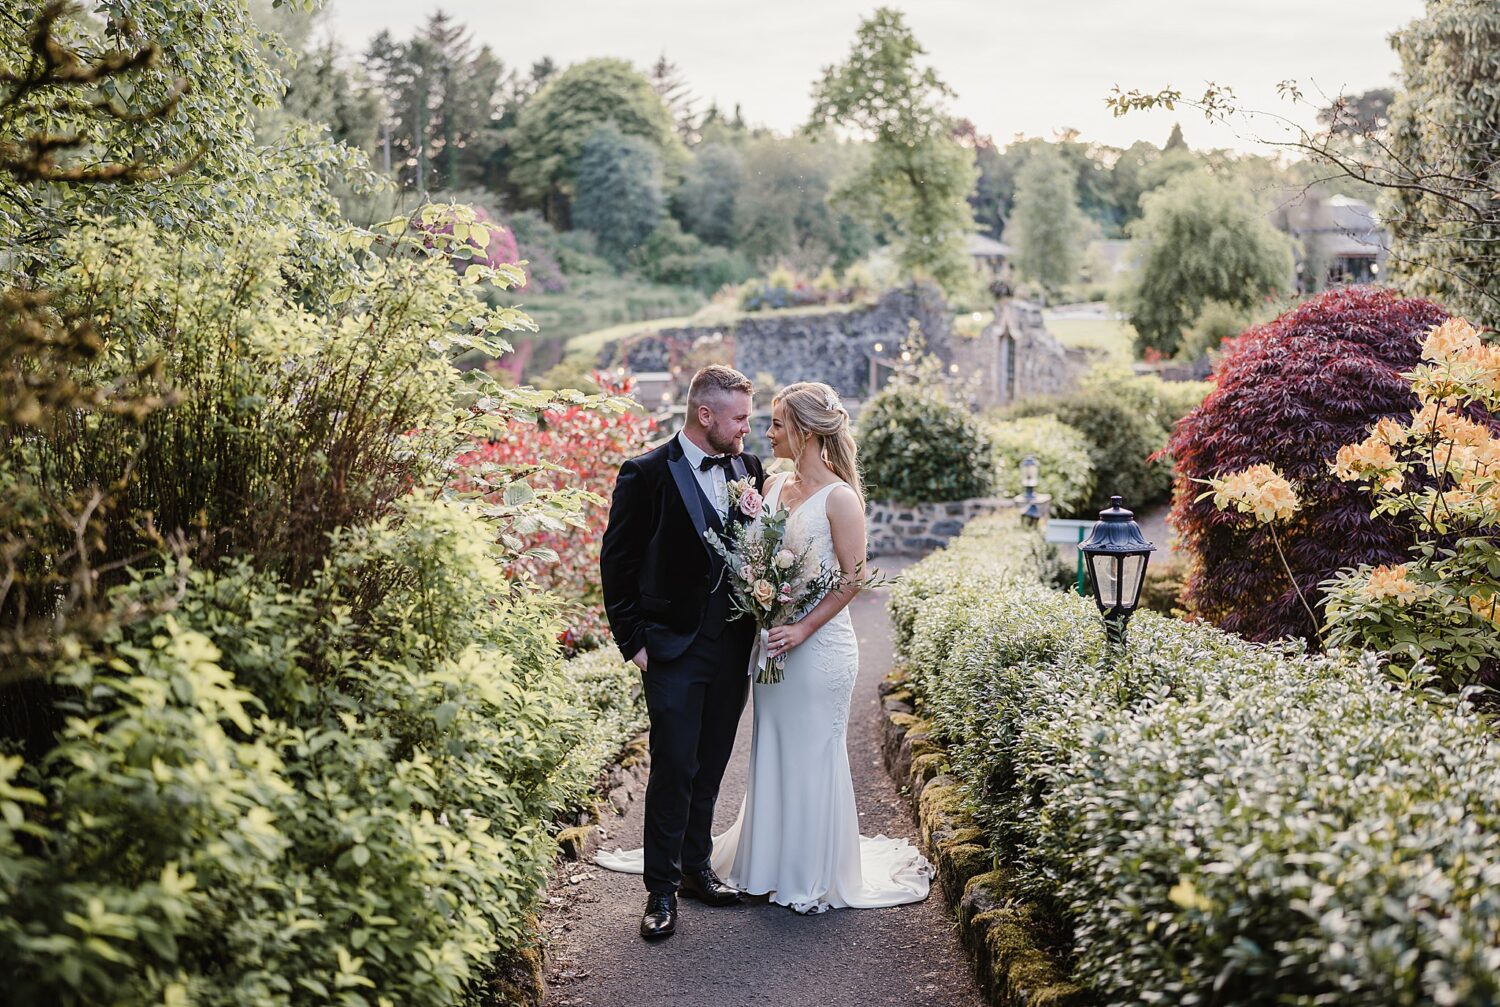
(712, 460)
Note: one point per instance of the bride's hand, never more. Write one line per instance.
(784, 638)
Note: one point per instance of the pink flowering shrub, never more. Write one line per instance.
(577, 449)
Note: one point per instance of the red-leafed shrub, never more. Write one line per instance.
(1290, 394)
(586, 446)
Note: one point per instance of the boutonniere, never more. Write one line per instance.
(742, 494)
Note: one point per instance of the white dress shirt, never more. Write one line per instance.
(715, 482)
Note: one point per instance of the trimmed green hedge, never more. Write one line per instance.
(1216, 822)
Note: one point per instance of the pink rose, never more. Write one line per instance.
(751, 503)
(746, 573)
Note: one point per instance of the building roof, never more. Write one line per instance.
(984, 247)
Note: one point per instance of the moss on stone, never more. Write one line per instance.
(940, 803)
(966, 836)
(923, 746)
(908, 722)
(516, 978)
(572, 841)
(899, 695)
(924, 767)
(957, 863)
(998, 881)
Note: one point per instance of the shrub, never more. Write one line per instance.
(1176, 814)
(1288, 394)
(1122, 438)
(307, 750)
(1438, 476)
(671, 256)
(579, 451)
(608, 709)
(916, 446)
(1066, 471)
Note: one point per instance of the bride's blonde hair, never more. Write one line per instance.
(812, 409)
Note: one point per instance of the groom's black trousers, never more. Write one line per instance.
(695, 702)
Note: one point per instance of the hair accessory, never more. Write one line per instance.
(832, 402)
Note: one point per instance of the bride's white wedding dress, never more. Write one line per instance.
(797, 835)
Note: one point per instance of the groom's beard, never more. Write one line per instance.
(732, 446)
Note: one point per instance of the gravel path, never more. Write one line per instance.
(761, 954)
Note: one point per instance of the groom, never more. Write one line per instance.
(668, 604)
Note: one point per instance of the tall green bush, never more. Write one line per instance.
(917, 446)
(1121, 441)
(1206, 820)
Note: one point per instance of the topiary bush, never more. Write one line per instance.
(917, 446)
(1175, 811)
(1289, 394)
(1067, 472)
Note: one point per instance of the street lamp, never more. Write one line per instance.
(1116, 554)
(1031, 474)
(1032, 506)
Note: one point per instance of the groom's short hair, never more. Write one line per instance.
(715, 379)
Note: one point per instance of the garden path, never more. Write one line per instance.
(908, 956)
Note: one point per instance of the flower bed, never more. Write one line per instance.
(1210, 821)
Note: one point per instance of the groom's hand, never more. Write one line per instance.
(640, 659)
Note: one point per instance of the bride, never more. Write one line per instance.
(797, 837)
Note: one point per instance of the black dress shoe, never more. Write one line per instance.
(660, 920)
(706, 887)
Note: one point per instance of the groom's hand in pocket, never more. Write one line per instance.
(640, 659)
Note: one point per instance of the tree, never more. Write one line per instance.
(919, 178)
(442, 96)
(1434, 165)
(784, 209)
(667, 81)
(559, 120)
(990, 200)
(705, 201)
(158, 99)
(619, 191)
(1200, 239)
(1289, 394)
(1358, 114)
(1046, 225)
(1445, 124)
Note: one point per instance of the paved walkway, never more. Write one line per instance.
(761, 954)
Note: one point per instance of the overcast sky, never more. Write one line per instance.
(1018, 66)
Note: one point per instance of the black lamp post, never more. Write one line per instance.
(1116, 554)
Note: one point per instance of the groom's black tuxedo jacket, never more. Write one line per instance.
(657, 568)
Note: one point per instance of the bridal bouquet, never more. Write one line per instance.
(768, 582)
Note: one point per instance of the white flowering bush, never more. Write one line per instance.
(1214, 822)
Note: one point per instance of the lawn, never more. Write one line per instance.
(1113, 336)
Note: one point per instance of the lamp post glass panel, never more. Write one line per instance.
(1116, 554)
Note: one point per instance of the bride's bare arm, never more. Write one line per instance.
(846, 521)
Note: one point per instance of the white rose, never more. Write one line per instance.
(784, 559)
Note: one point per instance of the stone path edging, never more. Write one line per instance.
(999, 931)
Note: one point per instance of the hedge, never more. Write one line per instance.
(1213, 821)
